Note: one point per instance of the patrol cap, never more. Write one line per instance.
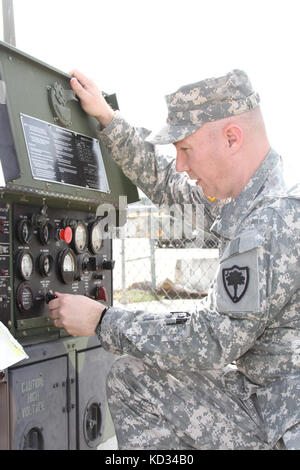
(211, 99)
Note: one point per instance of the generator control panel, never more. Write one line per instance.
(56, 173)
(58, 184)
(51, 251)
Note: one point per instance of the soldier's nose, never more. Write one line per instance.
(181, 163)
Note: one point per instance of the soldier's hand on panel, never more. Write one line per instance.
(91, 98)
(77, 314)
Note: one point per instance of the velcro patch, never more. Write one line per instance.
(236, 281)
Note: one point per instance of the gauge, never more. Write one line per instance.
(67, 265)
(24, 297)
(96, 237)
(24, 231)
(25, 264)
(45, 233)
(80, 237)
(45, 265)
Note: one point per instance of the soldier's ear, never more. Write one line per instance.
(234, 136)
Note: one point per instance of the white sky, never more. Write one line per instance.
(142, 50)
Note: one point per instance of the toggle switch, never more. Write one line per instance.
(108, 264)
(49, 296)
(101, 294)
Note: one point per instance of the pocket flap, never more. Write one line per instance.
(245, 242)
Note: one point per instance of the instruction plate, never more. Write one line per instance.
(62, 156)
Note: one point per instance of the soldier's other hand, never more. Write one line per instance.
(77, 314)
(91, 98)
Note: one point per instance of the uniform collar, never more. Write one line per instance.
(237, 209)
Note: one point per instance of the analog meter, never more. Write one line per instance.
(24, 297)
(80, 237)
(67, 265)
(25, 264)
(24, 231)
(45, 265)
(96, 238)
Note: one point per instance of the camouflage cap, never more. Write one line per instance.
(208, 100)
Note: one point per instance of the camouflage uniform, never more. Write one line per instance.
(174, 387)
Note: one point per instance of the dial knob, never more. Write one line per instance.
(49, 296)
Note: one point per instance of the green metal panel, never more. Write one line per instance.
(28, 84)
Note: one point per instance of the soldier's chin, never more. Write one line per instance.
(208, 195)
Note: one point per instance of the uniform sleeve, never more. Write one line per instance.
(154, 174)
(224, 326)
(250, 315)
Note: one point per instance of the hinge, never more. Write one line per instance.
(69, 406)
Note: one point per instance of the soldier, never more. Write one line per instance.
(175, 386)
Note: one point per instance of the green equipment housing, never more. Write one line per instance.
(57, 183)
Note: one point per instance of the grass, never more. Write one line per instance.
(135, 295)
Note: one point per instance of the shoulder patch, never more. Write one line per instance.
(236, 281)
(241, 279)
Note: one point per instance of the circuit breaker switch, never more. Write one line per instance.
(101, 294)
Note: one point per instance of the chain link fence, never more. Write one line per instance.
(162, 268)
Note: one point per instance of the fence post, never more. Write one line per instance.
(123, 267)
(9, 32)
(152, 254)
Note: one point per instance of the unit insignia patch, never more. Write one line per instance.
(236, 281)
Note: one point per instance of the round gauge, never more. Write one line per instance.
(24, 297)
(25, 264)
(45, 265)
(24, 231)
(45, 233)
(80, 237)
(67, 265)
(96, 238)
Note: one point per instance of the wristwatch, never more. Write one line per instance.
(98, 327)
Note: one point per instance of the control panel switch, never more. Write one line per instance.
(101, 294)
(66, 234)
